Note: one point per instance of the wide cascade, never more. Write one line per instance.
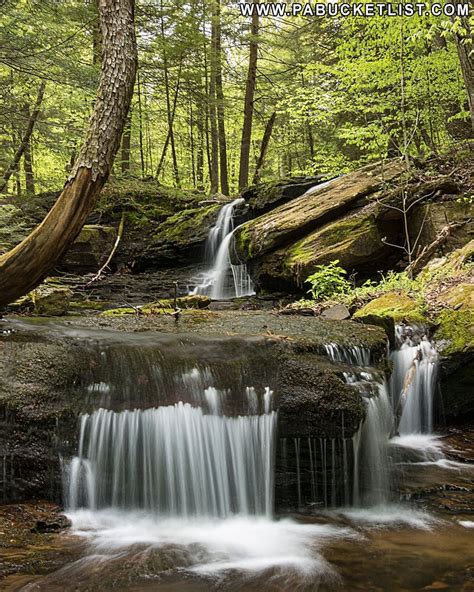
(224, 279)
(176, 460)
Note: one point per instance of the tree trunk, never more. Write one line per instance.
(126, 144)
(140, 126)
(28, 168)
(26, 266)
(214, 163)
(26, 138)
(170, 133)
(248, 104)
(28, 159)
(216, 23)
(466, 58)
(264, 147)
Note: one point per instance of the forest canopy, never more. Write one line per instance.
(217, 91)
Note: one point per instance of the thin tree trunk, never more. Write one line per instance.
(248, 104)
(170, 134)
(192, 142)
(140, 125)
(26, 266)
(216, 22)
(200, 149)
(28, 168)
(466, 59)
(264, 147)
(170, 114)
(126, 144)
(214, 168)
(26, 137)
(28, 159)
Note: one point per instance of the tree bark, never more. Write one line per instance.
(26, 266)
(248, 104)
(26, 138)
(264, 147)
(466, 59)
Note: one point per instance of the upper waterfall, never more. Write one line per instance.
(223, 280)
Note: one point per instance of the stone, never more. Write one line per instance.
(47, 300)
(338, 312)
(180, 237)
(355, 241)
(307, 213)
(264, 197)
(163, 306)
(90, 250)
(390, 309)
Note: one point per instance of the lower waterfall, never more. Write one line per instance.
(174, 461)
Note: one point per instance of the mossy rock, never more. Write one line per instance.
(455, 331)
(181, 233)
(163, 307)
(390, 309)
(48, 300)
(354, 241)
(455, 341)
(460, 297)
(307, 213)
(90, 249)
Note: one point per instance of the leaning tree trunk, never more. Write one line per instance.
(264, 147)
(23, 268)
(25, 139)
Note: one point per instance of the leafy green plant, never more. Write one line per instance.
(328, 281)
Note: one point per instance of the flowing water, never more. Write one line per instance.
(224, 279)
(172, 483)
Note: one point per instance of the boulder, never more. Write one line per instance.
(90, 250)
(303, 215)
(355, 240)
(47, 300)
(315, 400)
(180, 237)
(454, 339)
(390, 309)
(263, 197)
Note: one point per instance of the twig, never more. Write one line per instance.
(112, 252)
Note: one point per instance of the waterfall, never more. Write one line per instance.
(176, 460)
(371, 475)
(223, 280)
(413, 383)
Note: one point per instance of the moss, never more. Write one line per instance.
(243, 242)
(395, 305)
(165, 306)
(460, 297)
(455, 331)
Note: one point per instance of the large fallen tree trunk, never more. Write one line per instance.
(24, 267)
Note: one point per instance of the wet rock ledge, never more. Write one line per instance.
(48, 366)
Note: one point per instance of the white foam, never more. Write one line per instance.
(242, 543)
(390, 515)
(466, 523)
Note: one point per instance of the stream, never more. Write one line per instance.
(179, 480)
